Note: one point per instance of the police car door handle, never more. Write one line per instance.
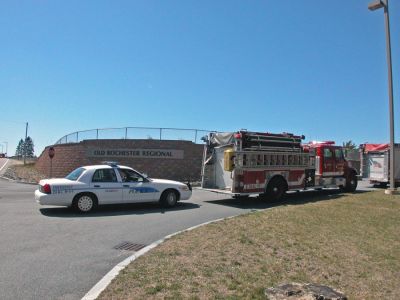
(126, 185)
(96, 185)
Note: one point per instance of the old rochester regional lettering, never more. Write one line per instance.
(140, 153)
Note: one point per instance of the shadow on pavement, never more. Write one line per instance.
(116, 210)
(292, 198)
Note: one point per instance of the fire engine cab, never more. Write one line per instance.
(244, 163)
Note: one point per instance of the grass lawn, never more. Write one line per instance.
(349, 242)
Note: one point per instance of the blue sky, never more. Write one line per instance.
(309, 67)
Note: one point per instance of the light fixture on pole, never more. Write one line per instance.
(377, 4)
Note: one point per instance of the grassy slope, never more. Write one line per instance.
(351, 243)
(22, 172)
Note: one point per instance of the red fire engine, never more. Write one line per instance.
(245, 163)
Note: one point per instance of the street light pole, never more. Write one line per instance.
(385, 5)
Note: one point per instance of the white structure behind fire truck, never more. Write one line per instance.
(245, 163)
(375, 163)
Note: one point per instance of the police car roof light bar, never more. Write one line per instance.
(110, 163)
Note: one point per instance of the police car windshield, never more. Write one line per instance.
(74, 175)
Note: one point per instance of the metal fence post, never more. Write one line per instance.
(126, 132)
(195, 136)
(160, 133)
(97, 134)
(77, 136)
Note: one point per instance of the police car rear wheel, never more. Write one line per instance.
(84, 203)
(169, 198)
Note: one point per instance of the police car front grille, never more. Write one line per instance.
(128, 246)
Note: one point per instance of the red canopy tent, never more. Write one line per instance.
(375, 147)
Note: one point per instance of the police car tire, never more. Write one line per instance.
(169, 198)
(84, 202)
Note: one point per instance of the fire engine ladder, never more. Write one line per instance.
(263, 160)
(271, 142)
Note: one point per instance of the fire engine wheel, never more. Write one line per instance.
(351, 183)
(276, 189)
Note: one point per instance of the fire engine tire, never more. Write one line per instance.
(383, 185)
(351, 183)
(276, 189)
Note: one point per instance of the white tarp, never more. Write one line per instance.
(222, 138)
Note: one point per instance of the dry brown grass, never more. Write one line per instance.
(351, 243)
(26, 173)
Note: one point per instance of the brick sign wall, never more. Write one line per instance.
(176, 160)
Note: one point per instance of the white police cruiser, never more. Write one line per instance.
(89, 186)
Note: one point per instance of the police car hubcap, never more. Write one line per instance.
(85, 203)
(171, 198)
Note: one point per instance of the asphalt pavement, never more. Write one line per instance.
(54, 253)
(3, 164)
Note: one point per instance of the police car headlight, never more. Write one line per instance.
(184, 188)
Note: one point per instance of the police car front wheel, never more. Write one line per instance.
(169, 198)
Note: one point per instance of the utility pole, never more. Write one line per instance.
(6, 147)
(26, 136)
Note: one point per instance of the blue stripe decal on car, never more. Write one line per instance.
(138, 189)
(142, 190)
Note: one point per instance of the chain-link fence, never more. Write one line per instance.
(193, 135)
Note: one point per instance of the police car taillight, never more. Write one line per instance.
(46, 188)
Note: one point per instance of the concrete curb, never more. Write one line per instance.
(106, 280)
